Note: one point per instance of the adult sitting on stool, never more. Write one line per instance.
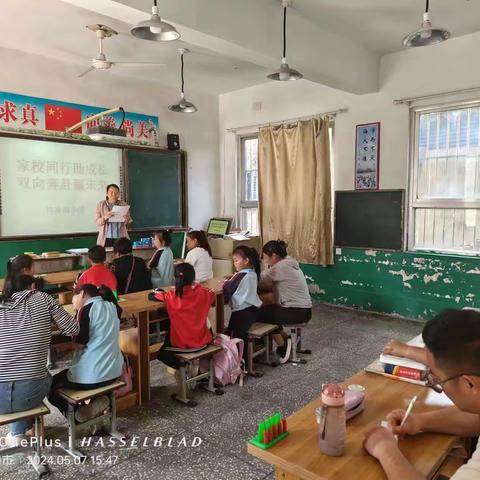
(26, 317)
(286, 299)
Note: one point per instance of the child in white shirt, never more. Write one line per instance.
(199, 255)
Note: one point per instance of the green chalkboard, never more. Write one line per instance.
(155, 187)
(369, 219)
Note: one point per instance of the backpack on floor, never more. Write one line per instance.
(228, 364)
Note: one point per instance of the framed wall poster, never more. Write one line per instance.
(367, 156)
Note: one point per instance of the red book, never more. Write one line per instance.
(58, 118)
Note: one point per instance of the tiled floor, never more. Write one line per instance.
(342, 341)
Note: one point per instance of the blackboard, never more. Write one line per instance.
(366, 219)
(155, 187)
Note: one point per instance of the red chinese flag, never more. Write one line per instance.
(59, 118)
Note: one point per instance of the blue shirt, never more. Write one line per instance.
(100, 360)
(162, 273)
(246, 295)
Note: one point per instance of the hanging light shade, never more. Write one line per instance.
(285, 73)
(427, 34)
(155, 28)
(183, 105)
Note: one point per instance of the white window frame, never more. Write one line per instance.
(242, 204)
(414, 202)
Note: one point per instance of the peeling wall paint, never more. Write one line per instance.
(405, 283)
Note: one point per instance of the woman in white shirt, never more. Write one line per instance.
(199, 255)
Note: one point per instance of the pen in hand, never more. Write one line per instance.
(408, 412)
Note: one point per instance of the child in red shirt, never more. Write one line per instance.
(98, 274)
(187, 306)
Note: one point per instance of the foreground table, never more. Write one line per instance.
(298, 457)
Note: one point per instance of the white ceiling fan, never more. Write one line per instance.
(100, 62)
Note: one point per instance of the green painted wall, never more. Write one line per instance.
(415, 285)
(10, 249)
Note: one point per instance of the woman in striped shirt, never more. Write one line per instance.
(26, 318)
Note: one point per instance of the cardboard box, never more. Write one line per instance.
(222, 248)
(221, 268)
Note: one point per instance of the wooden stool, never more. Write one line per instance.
(296, 336)
(187, 358)
(37, 460)
(76, 398)
(255, 332)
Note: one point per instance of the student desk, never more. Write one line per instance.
(56, 278)
(64, 261)
(134, 341)
(298, 456)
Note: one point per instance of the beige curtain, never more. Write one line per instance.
(295, 189)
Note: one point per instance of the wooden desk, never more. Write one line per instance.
(65, 278)
(134, 341)
(298, 457)
(64, 261)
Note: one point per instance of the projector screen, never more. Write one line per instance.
(53, 187)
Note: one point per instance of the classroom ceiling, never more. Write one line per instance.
(234, 43)
(381, 24)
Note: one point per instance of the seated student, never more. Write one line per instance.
(131, 272)
(199, 255)
(187, 308)
(98, 274)
(99, 360)
(23, 265)
(240, 291)
(452, 348)
(26, 317)
(292, 303)
(161, 264)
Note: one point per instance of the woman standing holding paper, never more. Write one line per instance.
(109, 231)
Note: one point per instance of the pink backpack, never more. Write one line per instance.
(228, 364)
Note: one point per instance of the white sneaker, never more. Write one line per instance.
(284, 351)
(95, 408)
(14, 440)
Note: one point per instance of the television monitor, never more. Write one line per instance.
(219, 227)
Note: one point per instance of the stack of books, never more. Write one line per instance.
(400, 368)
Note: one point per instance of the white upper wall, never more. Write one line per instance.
(420, 71)
(38, 76)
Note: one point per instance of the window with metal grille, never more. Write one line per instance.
(249, 215)
(445, 182)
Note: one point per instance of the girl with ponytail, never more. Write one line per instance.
(241, 292)
(16, 267)
(98, 359)
(187, 306)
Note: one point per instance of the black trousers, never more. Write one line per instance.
(241, 321)
(109, 242)
(61, 380)
(278, 315)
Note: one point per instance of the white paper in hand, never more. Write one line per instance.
(119, 212)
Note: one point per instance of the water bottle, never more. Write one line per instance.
(331, 420)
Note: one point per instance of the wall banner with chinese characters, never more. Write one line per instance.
(39, 115)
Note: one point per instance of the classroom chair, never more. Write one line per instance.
(37, 460)
(259, 331)
(187, 358)
(76, 398)
(296, 336)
